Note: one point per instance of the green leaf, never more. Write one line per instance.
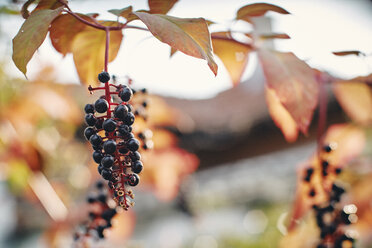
(31, 36)
(188, 35)
(8, 11)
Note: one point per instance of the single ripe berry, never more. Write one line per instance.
(134, 156)
(99, 123)
(107, 161)
(107, 214)
(106, 174)
(144, 90)
(327, 148)
(109, 125)
(123, 150)
(100, 169)
(102, 198)
(133, 179)
(91, 199)
(99, 185)
(125, 94)
(130, 107)
(101, 105)
(95, 140)
(144, 104)
(97, 156)
(89, 108)
(133, 145)
(104, 77)
(137, 166)
(89, 132)
(129, 119)
(109, 146)
(124, 130)
(90, 119)
(121, 111)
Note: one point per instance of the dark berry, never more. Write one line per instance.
(137, 166)
(104, 77)
(121, 111)
(312, 193)
(124, 129)
(135, 156)
(106, 174)
(99, 123)
(144, 90)
(133, 179)
(141, 136)
(99, 185)
(91, 199)
(327, 148)
(89, 132)
(100, 169)
(97, 148)
(92, 215)
(109, 125)
(338, 170)
(128, 136)
(144, 104)
(100, 230)
(123, 150)
(97, 156)
(108, 214)
(107, 161)
(102, 198)
(89, 108)
(109, 146)
(129, 119)
(325, 164)
(90, 119)
(101, 105)
(133, 145)
(130, 107)
(95, 140)
(125, 94)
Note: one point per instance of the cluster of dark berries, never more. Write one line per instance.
(330, 218)
(100, 215)
(110, 133)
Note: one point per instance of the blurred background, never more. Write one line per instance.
(220, 174)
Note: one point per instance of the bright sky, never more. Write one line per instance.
(317, 27)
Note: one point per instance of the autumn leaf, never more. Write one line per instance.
(49, 4)
(294, 84)
(188, 35)
(161, 6)
(24, 10)
(257, 9)
(31, 35)
(124, 12)
(274, 36)
(355, 98)
(345, 53)
(281, 116)
(88, 50)
(233, 54)
(63, 31)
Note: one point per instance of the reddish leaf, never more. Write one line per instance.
(233, 54)
(88, 49)
(280, 116)
(161, 6)
(274, 36)
(124, 12)
(31, 36)
(355, 97)
(188, 35)
(257, 9)
(63, 31)
(344, 53)
(294, 84)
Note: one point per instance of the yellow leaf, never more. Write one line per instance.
(88, 49)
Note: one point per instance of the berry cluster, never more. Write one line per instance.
(330, 217)
(100, 214)
(110, 133)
